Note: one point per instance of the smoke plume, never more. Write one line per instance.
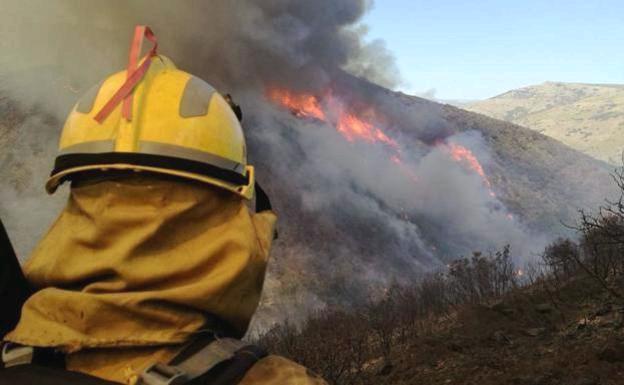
(53, 51)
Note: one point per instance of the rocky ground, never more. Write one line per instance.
(525, 339)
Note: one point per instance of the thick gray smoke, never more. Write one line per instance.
(429, 186)
(52, 51)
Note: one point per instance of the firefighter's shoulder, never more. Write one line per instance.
(279, 370)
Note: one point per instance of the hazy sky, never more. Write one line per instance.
(481, 48)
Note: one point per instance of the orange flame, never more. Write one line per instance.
(349, 124)
(361, 125)
(462, 154)
(301, 105)
(351, 127)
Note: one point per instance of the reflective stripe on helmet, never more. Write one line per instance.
(157, 149)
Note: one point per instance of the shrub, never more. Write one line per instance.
(340, 346)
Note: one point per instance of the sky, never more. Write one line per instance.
(467, 50)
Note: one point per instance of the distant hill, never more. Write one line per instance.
(587, 117)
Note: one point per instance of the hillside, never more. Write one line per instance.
(557, 329)
(483, 320)
(368, 239)
(586, 117)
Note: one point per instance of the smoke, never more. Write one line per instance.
(349, 213)
(53, 51)
(25, 158)
(372, 56)
(428, 188)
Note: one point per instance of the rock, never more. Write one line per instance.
(535, 332)
(612, 352)
(543, 308)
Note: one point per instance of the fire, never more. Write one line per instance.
(361, 124)
(353, 126)
(301, 105)
(463, 155)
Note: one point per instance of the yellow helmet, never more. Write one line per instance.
(155, 118)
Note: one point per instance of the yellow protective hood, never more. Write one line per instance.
(142, 261)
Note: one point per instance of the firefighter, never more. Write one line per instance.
(153, 270)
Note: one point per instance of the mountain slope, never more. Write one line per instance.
(342, 249)
(587, 117)
(554, 331)
(353, 220)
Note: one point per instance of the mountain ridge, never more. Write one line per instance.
(587, 117)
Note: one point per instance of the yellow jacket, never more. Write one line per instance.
(133, 267)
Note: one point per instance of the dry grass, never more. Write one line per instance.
(587, 117)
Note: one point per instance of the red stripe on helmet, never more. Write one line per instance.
(134, 76)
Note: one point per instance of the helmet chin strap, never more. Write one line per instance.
(134, 75)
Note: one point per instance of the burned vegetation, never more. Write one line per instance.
(483, 320)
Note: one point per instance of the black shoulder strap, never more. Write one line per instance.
(262, 199)
(14, 289)
(263, 203)
(25, 365)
